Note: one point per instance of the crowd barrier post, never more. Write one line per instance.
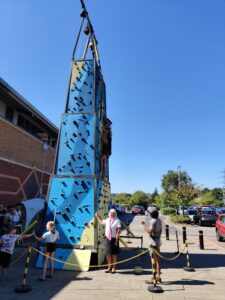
(188, 268)
(201, 240)
(24, 288)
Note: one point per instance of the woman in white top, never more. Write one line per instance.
(50, 237)
(112, 234)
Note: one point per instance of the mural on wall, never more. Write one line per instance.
(19, 183)
(80, 184)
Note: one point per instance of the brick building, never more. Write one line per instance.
(27, 148)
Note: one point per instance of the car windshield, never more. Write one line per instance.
(192, 212)
(220, 210)
(209, 212)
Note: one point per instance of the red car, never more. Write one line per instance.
(220, 228)
(138, 209)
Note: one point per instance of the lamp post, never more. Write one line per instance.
(44, 149)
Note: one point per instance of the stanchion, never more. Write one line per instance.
(24, 288)
(154, 288)
(167, 233)
(188, 268)
(138, 268)
(201, 240)
(177, 244)
(184, 234)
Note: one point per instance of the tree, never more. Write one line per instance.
(178, 188)
(139, 198)
(173, 181)
(123, 199)
(152, 198)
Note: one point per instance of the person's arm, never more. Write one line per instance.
(100, 220)
(26, 236)
(58, 237)
(39, 238)
(146, 228)
(118, 231)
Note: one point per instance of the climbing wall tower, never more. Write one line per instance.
(80, 184)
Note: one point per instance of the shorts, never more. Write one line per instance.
(5, 259)
(50, 247)
(111, 248)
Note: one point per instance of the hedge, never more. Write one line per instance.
(180, 219)
(168, 211)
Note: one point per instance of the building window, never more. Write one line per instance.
(9, 113)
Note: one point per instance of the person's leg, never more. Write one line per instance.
(51, 263)
(114, 258)
(157, 266)
(4, 273)
(109, 261)
(45, 265)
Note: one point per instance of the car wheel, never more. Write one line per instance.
(219, 238)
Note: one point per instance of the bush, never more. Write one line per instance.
(180, 219)
(168, 211)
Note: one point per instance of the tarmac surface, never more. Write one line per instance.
(206, 282)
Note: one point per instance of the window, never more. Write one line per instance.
(9, 113)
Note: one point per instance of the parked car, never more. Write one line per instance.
(220, 210)
(220, 228)
(182, 210)
(120, 209)
(205, 216)
(138, 209)
(191, 212)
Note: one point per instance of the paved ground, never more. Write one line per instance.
(207, 282)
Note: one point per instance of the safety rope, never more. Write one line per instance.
(112, 264)
(19, 257)
(173, 258)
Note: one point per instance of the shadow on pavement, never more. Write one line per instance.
(196, 260)
(188, 282)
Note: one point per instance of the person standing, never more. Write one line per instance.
(112, 234)
(50, 237)
(7, 244)
(154, 230)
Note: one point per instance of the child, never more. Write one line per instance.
(154, 231)
(50, 237)
(7, 243)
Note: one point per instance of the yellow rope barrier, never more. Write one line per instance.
(92, 266)
(112, 264)
(19, 257)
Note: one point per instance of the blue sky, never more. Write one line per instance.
(164, 66)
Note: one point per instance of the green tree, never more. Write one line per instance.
(122, 199)
(173, 181)
(139, 198)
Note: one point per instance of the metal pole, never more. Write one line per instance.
(24, 288)
(201, 240)
(184, 234)
(154, 288)
(177, 242)
(188, 268)
(167, 233)
(44, 149)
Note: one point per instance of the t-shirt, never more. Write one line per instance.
(8, 242)
(116, 224)
(12, 218)
(156, 227)
(50, 237)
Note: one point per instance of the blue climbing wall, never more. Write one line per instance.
(77, 189)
